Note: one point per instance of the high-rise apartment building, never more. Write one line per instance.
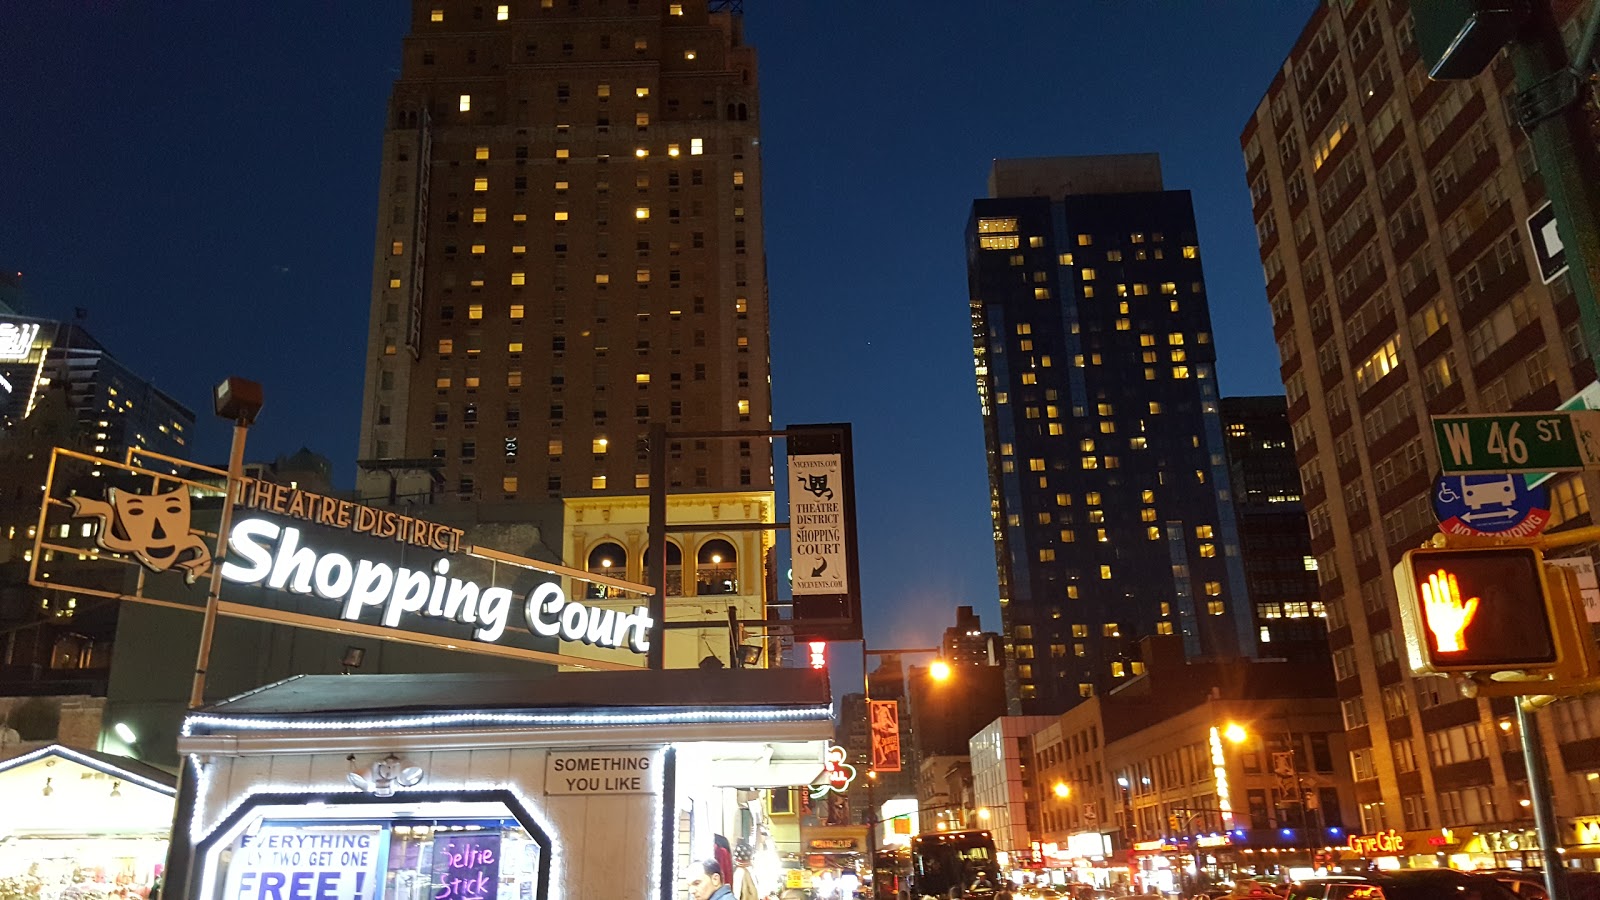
(1274, 535)
(1390, 212)
(1095, 368)
(569, 248)
(967, 644)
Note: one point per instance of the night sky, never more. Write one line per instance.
(201, 177)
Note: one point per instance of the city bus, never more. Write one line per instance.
(947, 864)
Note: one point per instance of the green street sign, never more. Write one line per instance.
(1588, 398)
(1518, 442)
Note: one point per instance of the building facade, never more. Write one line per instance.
(1095, 368)
(569, 249)
(966, 643)
(1390, 211)
(1274, 535)
(59, 386)
(1003, 783)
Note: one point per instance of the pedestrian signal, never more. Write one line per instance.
(1483, 609)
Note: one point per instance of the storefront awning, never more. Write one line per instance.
(46, 793)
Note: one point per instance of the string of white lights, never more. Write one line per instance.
(685, 717)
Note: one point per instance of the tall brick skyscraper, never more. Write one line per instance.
(568, 248)
(1390, 211)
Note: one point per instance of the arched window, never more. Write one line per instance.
(674, 569)
(609, 559)
(718, 566)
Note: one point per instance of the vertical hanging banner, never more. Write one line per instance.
(884, 715)
(824, 578)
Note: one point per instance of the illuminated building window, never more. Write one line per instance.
(478, 249)
(436, 15)
(519, 249)
(514, 347)
(1202, 531)
(1180, 371)
(696, 146)
(563, 153)
(642, 212)
(641, 378)
(1085, 240)
(501, 14)
(516, 312)
(519, 278)
(519, 217)
(509, 484)
(1036, 464)
(555, 447)
(1029, 378)
(1068, 535)
(1110, 629)
(480, 184)
(1155, 408)
(514, 378)
(1105, 573)
(1213, 589)
(641, 276)
(1086, 273)
(1191, 251)
(641, 92)
(1153, 533)
(397, 248)
(1215, 607)
(1141, 290)
(744, 407)
(1047, 555)
(689, 54)
(1147, 514)
(998, 242)
(1064, 259)
(1168, 287)
(602, 278)
(561, 215)
(1117, 670)
(446, 345)
(394, 282)
(482, 152)
(1035, 241)
(1041, 293)
(475, 311)
(674, 9)
(442, 380)
(1208, 550)
(598, 482)
(466, 102)
(1175, 339)
(1179, 356)
(480, 215)
(672, 150)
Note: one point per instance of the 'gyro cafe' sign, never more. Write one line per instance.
(1383, 843)
(155, 529)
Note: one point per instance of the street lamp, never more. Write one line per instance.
(1235, 733)
(1062, 790)
(939, 670)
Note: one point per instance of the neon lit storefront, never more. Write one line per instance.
(486, 787)
(81, 825)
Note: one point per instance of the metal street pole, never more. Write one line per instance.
(1549, 108)
(656, 550)
(208, 624)
(1544, 814)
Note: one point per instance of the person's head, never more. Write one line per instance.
(705, 877)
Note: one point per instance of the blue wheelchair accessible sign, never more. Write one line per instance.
(1490, 504)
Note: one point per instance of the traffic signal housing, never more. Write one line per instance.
(1489, 610)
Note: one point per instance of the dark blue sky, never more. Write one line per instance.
(201, 176)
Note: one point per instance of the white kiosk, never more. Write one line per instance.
(596, 786)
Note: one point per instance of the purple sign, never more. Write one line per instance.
(466, 865)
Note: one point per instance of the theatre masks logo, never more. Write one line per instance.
(153, 528)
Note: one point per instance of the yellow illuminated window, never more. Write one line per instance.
(696, 146)
(599, 445)
(481, 153)
(563, 153)
(1035, 241)
(514, 378)
(744, 407)
(1047, 555)
(1180, 371)
(436, 15)
(480, 215)
(598, 482)
(1064, 259)
(641, 276)
(674, 9)
(1213, 588)
(1029, 378)
(641, 152)
(641, 92)
(394, 282)
(1147, 514)
(688, 54)
(1208, 550)
(478, 249)
(561, 215)
(513, 346)
(475, 311)
(1175, 339)
(519, 249)
(672, 150)
(480, 184)
(1086, 273)
(641, 378)
(1215, 607)
(602, 278)
(561, 187)
(502, 13)
(1041, 293)
(516, 311)
(397, 248)
(466, 102)
(1168, 287)
(1190, 252)
(509, 482)
(519, 278)
(1092, 498)
(1105, 573)
(446, 345)
(1141, 290)
(1155, 408)
(1202, 531)
(642, 212)
(555, 446)
(519, 217)
(1085, 240)
(476, 282)
(442, 380)
(1035, 464)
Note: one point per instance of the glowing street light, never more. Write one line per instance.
(983, 813)
(1235, 733)
(939, 670)
(1062, 790)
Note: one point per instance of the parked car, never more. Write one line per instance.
(1410, 884)
(1528, 884)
